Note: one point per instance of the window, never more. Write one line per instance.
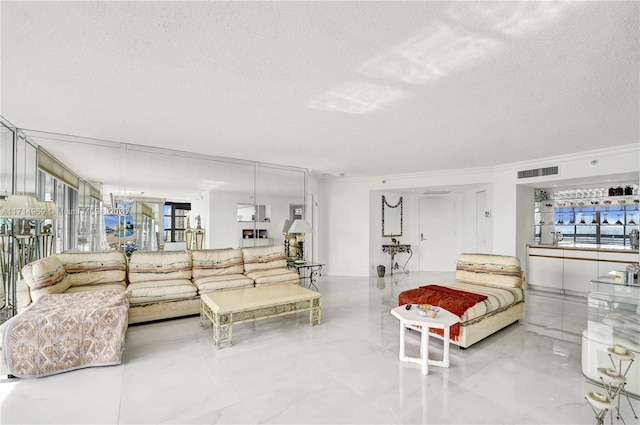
(176, 217)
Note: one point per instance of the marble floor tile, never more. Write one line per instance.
(344, 371)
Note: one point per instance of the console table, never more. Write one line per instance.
(393, 249)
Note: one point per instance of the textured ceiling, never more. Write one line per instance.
(360, 88)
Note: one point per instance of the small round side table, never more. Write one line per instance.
(621, 390)
(600, 406)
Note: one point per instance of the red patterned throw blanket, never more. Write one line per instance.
(452, 300)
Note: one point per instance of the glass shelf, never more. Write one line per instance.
(593, 224)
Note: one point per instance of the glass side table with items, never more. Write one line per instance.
(613, 335)
(612, 338)
(308, 272)
(614, 381)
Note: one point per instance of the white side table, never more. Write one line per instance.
(411, 319)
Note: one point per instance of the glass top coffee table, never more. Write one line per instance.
(225, 308)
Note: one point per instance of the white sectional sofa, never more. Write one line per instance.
(217, 269)
(160, 284)
(76, 306)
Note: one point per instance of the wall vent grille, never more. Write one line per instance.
(538, 172)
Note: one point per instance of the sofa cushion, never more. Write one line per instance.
(164, 290)
(264, 258)
(88, 268)
(145, 266)
(45, 276)
(280, 275)
(121, 286)
(215, 283)
(499, 270)
(216, 262)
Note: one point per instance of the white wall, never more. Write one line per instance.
(349, 221)
(465, 226)
(504, 213)
(525, 204)
(343, 240)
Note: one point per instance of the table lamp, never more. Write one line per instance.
(299, 228)
(285, 225)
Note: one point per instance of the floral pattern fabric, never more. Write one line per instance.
(64, 332)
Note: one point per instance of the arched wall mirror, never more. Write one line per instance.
(391, 217)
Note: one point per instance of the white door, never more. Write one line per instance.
(438, 239)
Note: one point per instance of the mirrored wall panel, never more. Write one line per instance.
(148, 198)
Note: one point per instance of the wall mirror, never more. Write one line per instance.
(391, 218)
(149, 177)
(6, 183)
(6, 161)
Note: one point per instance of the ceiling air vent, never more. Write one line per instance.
(538, 172)
(436, 192)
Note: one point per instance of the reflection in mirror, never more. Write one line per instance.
(18, 240)
(391, 218)
(142, 215)
(26, 168)
(280, 188)
(250, 212)
(90, 230)
(6, 160)
(154, 177)
(6, 171)
(296, 212)
(176, 222)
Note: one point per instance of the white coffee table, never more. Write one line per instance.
(225, 308)
(412, 320)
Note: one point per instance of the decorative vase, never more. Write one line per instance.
(381, 271)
